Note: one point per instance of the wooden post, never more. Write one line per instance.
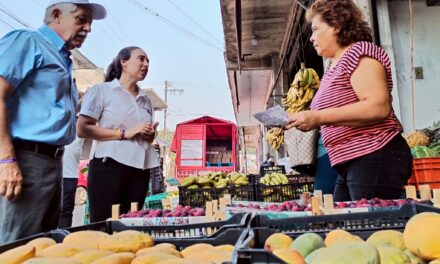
(134, 207)
(411, 192)
(425, 192)
(115, 211)
(316, 205)
(328, 201)
(209, 212)
(228, 199)
(436, 199)
(214, 206)
(318, 193)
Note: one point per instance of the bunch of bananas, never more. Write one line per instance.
(274, 179)
(302, 90)
(275, 137)
(215, 180)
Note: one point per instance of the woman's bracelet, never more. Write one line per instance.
(121, 133)
(10, 160)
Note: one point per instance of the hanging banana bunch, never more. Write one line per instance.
(302, 90)
(275, 137)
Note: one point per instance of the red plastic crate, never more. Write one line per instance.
(426, 171)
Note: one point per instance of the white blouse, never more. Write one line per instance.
(114, 107)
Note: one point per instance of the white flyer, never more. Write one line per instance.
(274, 116)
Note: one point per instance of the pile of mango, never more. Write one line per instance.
(418, 244)
(126, 247)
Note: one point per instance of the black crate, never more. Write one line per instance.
(381, 218)
(57, 235)
(200, 230)
(230, 231)
(199, 197)
(257, 236)
(269, 169)
(285, 192)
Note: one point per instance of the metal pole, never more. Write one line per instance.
(165, 110)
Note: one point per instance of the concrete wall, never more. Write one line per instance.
(426, 55)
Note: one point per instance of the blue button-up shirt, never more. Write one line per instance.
(43, 102)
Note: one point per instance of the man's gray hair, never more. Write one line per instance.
(64, 7)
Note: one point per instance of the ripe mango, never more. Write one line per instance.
(421, 235)
(152, 258)
(58, 250)
(88, 256)
(347, 253)
(307, 243)
(52, 261)
(17, 255)
(127, 241)
(413, 258)
(339, 236)
(89, 239)
(163, 249)
(392, 255)
(289, 255)
(41, 243)
(388, 238)
(195, 249)
(276, 241)
(117, 258)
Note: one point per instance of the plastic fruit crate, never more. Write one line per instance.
(155, 201)
(360, 224)
(284, 192)
(426, 171)
(199, 197)
(57, 235)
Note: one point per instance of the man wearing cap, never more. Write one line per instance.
(37, 116)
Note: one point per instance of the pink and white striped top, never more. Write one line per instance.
(345, 143)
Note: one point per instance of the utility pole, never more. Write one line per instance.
(173, 91)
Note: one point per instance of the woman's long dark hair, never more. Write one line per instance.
(114, 70)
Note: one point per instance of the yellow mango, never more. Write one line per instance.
(421, 235)
(117, 258)
(127, 241)
(195, 249)
(17, 255)
(163, 249)
(392, 255)
(85, 239)
(339, 236)
(88, 256)
(276, 241)
(52, 261)
(152, 258)
(388, 238)
(41, 243)
(58, 250)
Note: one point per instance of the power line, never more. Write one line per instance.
(6, 23)
(114, 32)
(120, 27)
(13, 16)
(172, 24)
(195, 22)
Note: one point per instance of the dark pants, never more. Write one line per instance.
(38, 207)
(382, 174)
(69, 191)
(325, 175)
(110, 183)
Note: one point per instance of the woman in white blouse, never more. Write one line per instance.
(117, 115)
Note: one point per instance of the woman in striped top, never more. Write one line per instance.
(353, 106)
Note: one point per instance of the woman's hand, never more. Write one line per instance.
(304, 121)
(141, 129)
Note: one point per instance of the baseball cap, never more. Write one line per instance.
(99, 11)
